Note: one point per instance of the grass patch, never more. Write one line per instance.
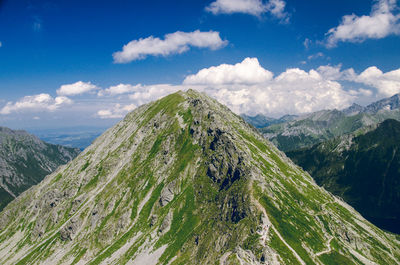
(182, 227)
(335, 258)
(284, 252)
(85, 166)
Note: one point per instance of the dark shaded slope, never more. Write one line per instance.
(364, 170)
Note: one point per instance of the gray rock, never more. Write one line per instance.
(167, 194)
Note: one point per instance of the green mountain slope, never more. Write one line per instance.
(25, 161)
(183, 180)
(363, 169)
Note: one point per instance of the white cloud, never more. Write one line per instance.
(134, 95)
(117, 112)
(149, 93)
(174, 43)
(249, 71)
(251, 7)
(118, 90)
(315, 56)
(76, 89)
(277, 9)
(40, 102)
(1, 44)
(331, 72)
(380, 23)
(387, 83)
(247, 87)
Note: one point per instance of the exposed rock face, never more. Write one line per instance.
(167, 194)
(185, 181)
(25, 161)
(385, 104)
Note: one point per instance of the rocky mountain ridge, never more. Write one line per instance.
(261, 121)
(307, 130)
(25, 160)
(183, 180)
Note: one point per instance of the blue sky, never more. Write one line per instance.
(274, 56)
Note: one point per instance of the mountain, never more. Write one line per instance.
(363, 169)
(183, 180)
(25, 161)
(391, 103)
(310, 129)
(261, 121)
(353, 110)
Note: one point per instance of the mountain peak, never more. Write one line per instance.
(183, 180)
(385, 104)
(354, 109)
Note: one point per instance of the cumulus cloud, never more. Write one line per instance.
(140, 94)
(76, 89)
(249, 71)
(247, 87)
(118, 90)
(251, 7)
(40, 102)
(387, 83)
(174, 43)
(149, 93)
(335, 72)
(134, 95)
(118, 111)
(382, 21)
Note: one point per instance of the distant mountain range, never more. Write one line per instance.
(261, 121)
(25, 160)
(363, 168)
(307, 130)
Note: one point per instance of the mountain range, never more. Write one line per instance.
(307, 130)
(261, 121)
(183, 180)
(25, 160)
(363, 168)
